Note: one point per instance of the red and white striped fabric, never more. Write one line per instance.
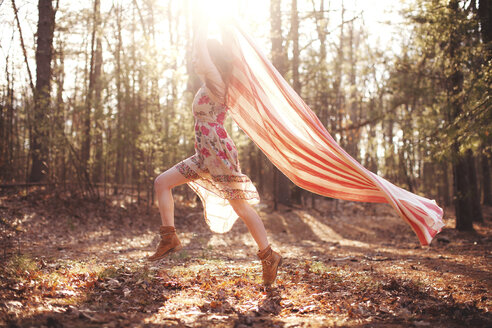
(272, 114)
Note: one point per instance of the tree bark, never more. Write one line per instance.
(59, 79)
(119, 115)
(278, 54)
(321, 76)
(259, 157)
(281, 192)
(294, 36)
(98, 114)
(461, 185)
(339, 95)
(352, 135)
(464, 221)
(89, 101)
(296, 192)
(486, 190)
(6, 129)
(473, 187)
(485, 16)
(327, 112)
(446, 199)
(31, 84)
(44, 53)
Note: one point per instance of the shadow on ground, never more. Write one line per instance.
(346, 264)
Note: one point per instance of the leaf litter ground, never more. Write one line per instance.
(69, 262)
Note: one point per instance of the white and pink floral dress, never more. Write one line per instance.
(214, 171)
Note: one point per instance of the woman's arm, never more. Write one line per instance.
(204, 66)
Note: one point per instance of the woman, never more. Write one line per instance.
(213, 171)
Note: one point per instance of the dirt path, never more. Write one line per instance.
(73, 263)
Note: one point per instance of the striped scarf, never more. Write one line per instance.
(279, 122)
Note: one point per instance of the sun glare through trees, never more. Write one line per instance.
(97, 99)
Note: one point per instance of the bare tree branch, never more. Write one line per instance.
(142, 22)
(23, 47)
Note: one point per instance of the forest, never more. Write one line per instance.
(96, 101)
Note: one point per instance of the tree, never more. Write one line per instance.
(462, 187)
(450, 92)
(296, 192)
(281, 193)
(94, 75)
(44, 53)
(485, 18)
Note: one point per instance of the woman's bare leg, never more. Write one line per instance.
(163, 185)
(252, 220)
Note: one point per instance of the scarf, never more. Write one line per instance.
(278, 121)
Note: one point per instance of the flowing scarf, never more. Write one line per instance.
(271, 113)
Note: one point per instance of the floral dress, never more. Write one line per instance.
(214, 171)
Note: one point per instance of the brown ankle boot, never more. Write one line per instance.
(169, 243)
(270, 261)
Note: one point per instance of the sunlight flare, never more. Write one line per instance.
(217, 9)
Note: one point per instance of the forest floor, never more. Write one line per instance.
(68, 262)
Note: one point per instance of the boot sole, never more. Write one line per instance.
(172, 250)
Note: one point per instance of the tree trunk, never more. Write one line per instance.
(485, 16)
(294, 35)
(321, 76)
(473, 188)
(119, 115)
(7, 144)
(98, 114)
(296, 192)
(353, 134)
(89, 101)
(445, 184)
(371, 162)
(328, 111)
(464, 220)
(278, 54)
(281, 185)
(486, 189)
(44, 53)
(339, 96)
(193, 81)
(390, 161)
(461, 191)
(60, 148)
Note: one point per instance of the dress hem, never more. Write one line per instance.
(230, 194)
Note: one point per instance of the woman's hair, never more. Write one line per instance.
(222, 61)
